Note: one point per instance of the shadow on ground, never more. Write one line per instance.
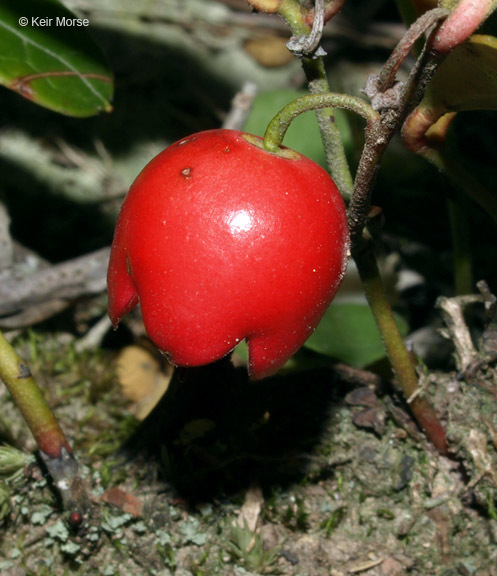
(215, 431)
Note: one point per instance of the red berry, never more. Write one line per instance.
(219, 240)
(75, 519)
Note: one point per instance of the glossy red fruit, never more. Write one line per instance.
(220, 240)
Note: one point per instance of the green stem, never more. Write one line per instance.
(465, 186)
(276, 130)
(30, 401)
(336, 158)
(399, 356)
(458, 216)
(291, 11)
(54, 447)
(315, 72)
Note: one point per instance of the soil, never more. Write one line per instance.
(292, 475)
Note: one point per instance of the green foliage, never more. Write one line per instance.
(491, 506)
(333, 521)
(13, 462)
(247, 548)
(5, 505)
(348, 333)
(56, 66)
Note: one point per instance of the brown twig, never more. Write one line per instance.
(387, 75)
(378, 136)
(30, 298)
(240, 107)
(308, 45)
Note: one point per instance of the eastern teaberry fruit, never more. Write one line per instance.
(219, 240)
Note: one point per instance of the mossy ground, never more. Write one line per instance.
(336, 499)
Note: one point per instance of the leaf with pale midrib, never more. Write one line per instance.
(58, 67)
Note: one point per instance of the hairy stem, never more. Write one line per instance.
(336, 158)
(276, 130)
(315, 72)
(387, 75)
(379, 135)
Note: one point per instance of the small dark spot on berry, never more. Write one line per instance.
(187, 173)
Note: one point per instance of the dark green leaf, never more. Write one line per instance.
(348, 333)
(57, 66)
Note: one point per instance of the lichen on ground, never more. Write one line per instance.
(334, 498)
